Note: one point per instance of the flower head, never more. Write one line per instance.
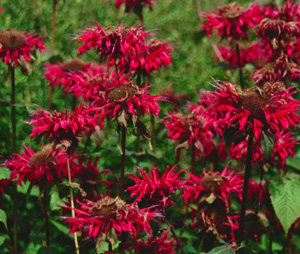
(189, 130)
(109, 216)
(117, 44)
(39, 168)
(155, 190)
(17, 47)
(127, 103)
(252, 108)
(155, 245)
(232, 20)
(62, 73)
(63, 127)
(213, 185)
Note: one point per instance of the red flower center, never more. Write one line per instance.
(12, 39)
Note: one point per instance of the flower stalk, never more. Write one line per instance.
(174, 234)
(246, 186)
(46, 211)
(123, 156)
(72, 202)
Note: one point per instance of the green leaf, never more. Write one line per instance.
(4, 173)
(285, 197)
(188, 249)
(55, 201)
(62, 228)
(224, 249)
(3, 218)
(2, 239)
(267, 144)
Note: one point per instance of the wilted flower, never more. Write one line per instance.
(63, 127)
(155, 245)
(232, 20)
(154, 190)
(17, 47)
(62, 73)
(134, 5)
(109, 217)
(41, 167)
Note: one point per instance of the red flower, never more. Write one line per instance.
(280, 23)
(155, 190)
(248, 54)
(110, 216)
(189, 130)
(62, 73)
(175, 99)
(94, 81)
(114, 43)
(232, 20)
(155, 245)
(3, 185)
(134, 5)
(152, 59)
(39, 168)
(284, 146)
(63, 127)
(17, 47)
(213, 185)
(127, 103)
(252, 108)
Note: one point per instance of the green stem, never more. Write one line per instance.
(72, 202)
(246, 186)
(193, 164)
(174, 235)
(123, 156)
(138, 142)
(237, 48)
(14, 150)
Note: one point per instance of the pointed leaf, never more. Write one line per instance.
(4, 173)
(224, 249)
(285, 197)
(3, 218)
(2, 239)
(267, 144)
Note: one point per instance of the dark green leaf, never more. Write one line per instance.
(188, 249)
(229, 136)
(43, 250)
(3, 218)
(285, 197)
(62, 228)
(267, 144)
